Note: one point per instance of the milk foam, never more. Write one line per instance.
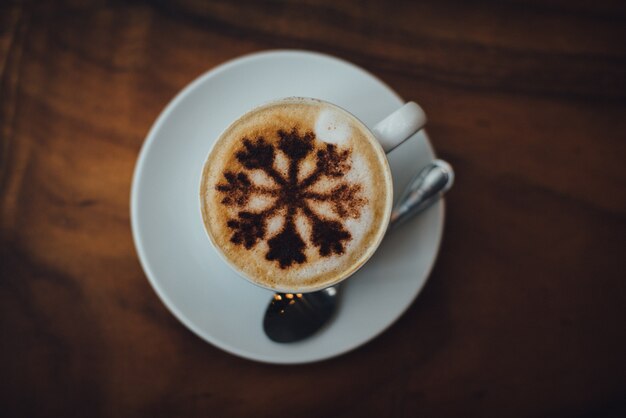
(362, 214)
(358, 229)
(332, 127)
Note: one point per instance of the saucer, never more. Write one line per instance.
(187, 273)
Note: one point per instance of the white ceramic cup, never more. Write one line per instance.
(399, 126)
(390, 132)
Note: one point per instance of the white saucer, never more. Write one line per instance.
(187, 273)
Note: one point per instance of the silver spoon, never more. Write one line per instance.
(291, 317)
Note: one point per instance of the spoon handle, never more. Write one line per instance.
(423, 190)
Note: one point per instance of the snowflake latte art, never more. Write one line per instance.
(296, 195)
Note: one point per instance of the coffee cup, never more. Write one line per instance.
(296, 194)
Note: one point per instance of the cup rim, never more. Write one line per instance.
(345, 274)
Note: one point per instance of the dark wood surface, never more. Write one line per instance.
(524, 314)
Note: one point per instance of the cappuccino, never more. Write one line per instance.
(296, 195)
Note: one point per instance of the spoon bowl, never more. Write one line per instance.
(294, 316)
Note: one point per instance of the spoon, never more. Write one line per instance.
(291, 317)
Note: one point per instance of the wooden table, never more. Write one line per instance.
(524, 314)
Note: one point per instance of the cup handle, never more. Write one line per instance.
(399, 126)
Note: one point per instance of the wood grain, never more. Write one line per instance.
(524, 313)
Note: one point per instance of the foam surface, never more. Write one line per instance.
(333, 127)
(296, 195)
